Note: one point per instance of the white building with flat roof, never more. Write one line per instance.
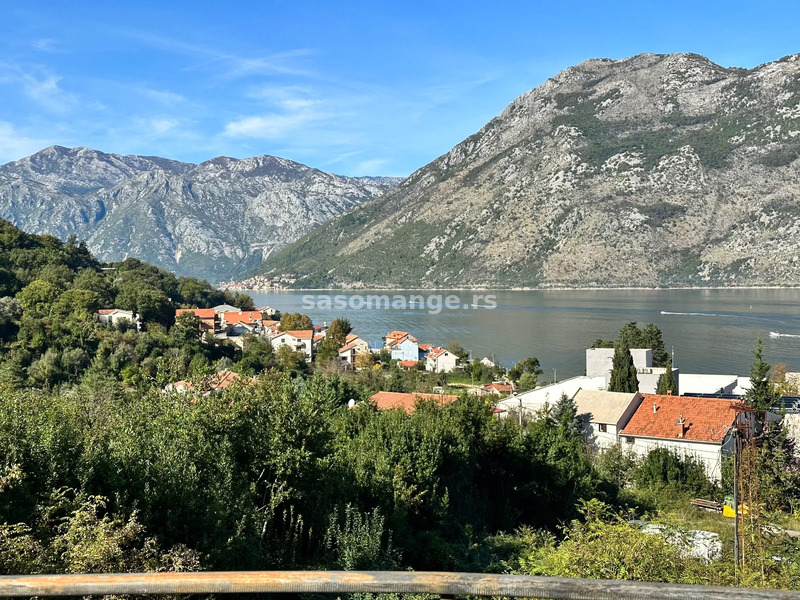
(531, 402)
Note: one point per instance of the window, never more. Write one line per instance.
(628, 440)
(602, 427)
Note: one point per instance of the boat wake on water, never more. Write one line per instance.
(775, 334)
(695, 314)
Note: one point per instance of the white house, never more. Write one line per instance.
(300, 341)
(114, 316)
(692, 426)
(533, 401)
(353, 345)
(440, 360)
(599, 360)
(607, 413)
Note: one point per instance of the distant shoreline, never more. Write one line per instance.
(523, 289)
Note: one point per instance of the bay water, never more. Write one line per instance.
(709, 330)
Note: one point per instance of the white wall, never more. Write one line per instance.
(709, 454)
(598, 360)
(534, 400)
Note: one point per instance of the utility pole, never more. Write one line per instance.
(736, 500)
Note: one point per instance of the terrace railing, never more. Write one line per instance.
(449, 585)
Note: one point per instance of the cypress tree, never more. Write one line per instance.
(666, 382)
(623, 371)
(761, 394)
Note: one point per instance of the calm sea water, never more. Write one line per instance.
(711, 331)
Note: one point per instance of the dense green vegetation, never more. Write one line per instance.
(104, 469)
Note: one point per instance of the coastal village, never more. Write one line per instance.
(697, 418)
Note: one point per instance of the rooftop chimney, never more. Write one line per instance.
(669, 392)
(680, 423)
(655, 408)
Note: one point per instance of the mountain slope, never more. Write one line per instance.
(214, 220)
(652, 170)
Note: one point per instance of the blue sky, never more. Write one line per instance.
(357, 88)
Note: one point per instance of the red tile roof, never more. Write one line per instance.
(246, 316)
(407, 402)
(318, 336)
(503, 388)
(351, 337)
(436, 352)
(203, 313)
(106, 311)
(396, 335)
(425, 347)
(408, 363)
(349, 346)
(705, 419)
(303, 334)
(218, 381)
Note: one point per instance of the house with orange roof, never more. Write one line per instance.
(439, 360)
(250, 317)
(407, 402)
(209, 318)
(498, 388)
(353, 345)
(216, 383)
(406, 349)
(299, 340)
(699, 427)
(393, 337)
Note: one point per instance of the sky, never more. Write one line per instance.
(355, 88)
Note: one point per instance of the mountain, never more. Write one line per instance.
(215, 220)
(649, 171)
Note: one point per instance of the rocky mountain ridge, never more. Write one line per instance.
(215, 220)
(648, 171)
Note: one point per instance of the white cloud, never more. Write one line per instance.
(162, 96)
(44, 45)
(39, 85)
(14, 145)
(158, 126)
(269, 127)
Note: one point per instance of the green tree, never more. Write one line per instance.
(257, 355)
(565, 415)
(186, 331)
(10, 311)
(290, 360)
(623, 371)
(335, 338)
(666, 383)
(457, 349)
(527, 382)
(37, 298)
(295, 322)
(74, 300)
(635, 337)
(528, 365)
(761, 394)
